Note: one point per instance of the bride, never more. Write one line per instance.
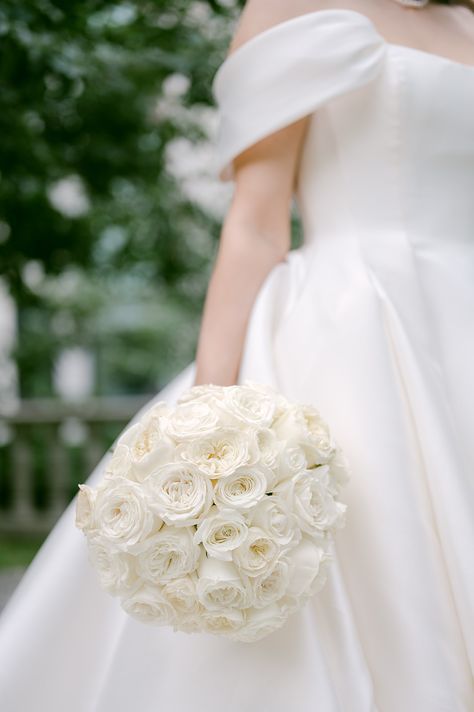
(364, 112)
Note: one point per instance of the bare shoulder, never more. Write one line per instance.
(260, 15)
(439, 28)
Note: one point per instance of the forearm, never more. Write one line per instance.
(244, 259)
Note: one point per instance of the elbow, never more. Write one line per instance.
(269, 246)
(268, 231)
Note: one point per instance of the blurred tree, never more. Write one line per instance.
(89, 214)
(79, 83)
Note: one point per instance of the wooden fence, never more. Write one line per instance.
(47, 447)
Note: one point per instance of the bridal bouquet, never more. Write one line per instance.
(216, 514)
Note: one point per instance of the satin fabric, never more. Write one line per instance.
(371, 320)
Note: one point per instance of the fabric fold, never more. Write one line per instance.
(317, 57)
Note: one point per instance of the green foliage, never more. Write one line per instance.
(18, 551)
(80, 83)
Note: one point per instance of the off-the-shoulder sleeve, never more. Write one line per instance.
(288, 71)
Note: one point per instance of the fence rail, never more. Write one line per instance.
(48, 447)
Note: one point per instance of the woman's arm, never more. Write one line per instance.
(255, 236)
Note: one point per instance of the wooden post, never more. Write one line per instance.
(23, 511)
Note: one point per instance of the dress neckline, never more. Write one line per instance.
(241, 50)
(430, 55)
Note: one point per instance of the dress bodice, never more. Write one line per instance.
(385, 191)
(390, 143)
(370, 322)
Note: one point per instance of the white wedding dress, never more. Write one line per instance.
(372, 321)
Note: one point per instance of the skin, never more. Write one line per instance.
(256, 232)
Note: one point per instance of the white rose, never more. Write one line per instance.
(292, 460)
(259, 623)
(207, 393)
(271, 586)
(84, 508)
(120, 463)
(257, 554)
(307, 575)
(221, 531)
(142, 434)
(143, 447)
(265, 388)
(159, 409)
(282, 406)
(302, 426)
(161, 454)
(115, 569)
(149, 605)
(281, 403)
(189, 622)
(222, 622)
(181, 593)
(122, 514)
(249, 405)
(269, 448)
(219, 454)
(289, 425)
(179, 493)
(274, 515)
(128, 435)
(319, 437)
(316, 510)
(243, 488)
(191, 420)
(220, 585)
(170, 553)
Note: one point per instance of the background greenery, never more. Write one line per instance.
(124, 273)
(106, 110)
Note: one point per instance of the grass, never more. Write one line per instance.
(18, 551)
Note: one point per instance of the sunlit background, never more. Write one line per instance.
(110, 211)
